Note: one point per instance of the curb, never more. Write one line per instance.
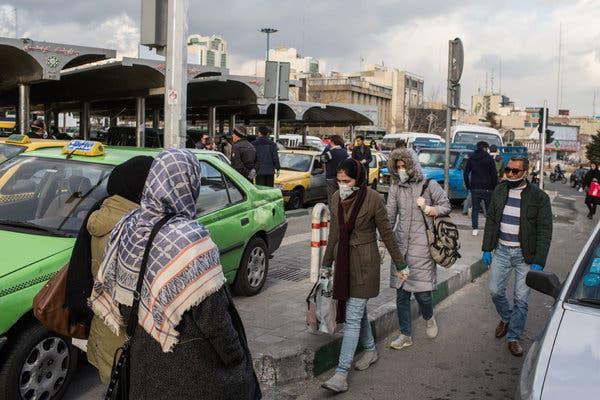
(294, 362)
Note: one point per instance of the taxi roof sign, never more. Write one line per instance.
(18, 139)
(87, 148)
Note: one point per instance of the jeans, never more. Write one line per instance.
(467, 203)
(477, 195)
(357, 327)
(403, 308)
(505, 260)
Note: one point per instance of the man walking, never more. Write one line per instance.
(362, 153)
(243, 154)
(518, 231)
(481, 178)
(333, 157)
(267, 158)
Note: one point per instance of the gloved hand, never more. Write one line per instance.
(381, 251)
(325, 271)
(402, 272)
(536, 267)
(421, 203)
(486, 257)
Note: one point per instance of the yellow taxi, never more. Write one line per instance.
(378, 162)
(17, 144)
(302, 177)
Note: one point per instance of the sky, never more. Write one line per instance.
(516, 41)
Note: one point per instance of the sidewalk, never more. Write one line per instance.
(285, 351)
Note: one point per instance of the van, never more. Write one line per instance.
(389, 141)
(471, 134)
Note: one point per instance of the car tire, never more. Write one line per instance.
(564, 180)
(36, 344)
(296, 200)
(252, 274)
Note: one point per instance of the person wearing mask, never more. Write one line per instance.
(124, 187)
(412, 203)
(357, 213)
(498, 160)
(333, 157)
(481, 178)
(267, 158)
(189, 342)
(518, 232)
(591, 202)
(243, 154)
(362, 153)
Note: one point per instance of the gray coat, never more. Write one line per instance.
(410, 228)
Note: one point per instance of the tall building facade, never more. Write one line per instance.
(207, 50)
(482, 104)
(300, 67)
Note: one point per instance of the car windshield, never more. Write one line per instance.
(435, 158)
(388, 143)
(295, 162)
(49, 196)
(8, 151)
(474, 137)
(587, 283)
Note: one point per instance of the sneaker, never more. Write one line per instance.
(401, 342)
(431, 329)
(338, 383)
(475, 232)
(368, 358)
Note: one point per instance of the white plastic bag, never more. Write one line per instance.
(326, 305)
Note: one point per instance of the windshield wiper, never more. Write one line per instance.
(589, 300)
(30, 225)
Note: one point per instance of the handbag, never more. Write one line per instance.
(118, 388)
(321, 309)
(594, 190)
(49, 308)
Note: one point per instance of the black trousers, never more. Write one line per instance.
(591, 203)
(265, 180)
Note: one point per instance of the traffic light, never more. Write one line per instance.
(549, 136)
(543, 112)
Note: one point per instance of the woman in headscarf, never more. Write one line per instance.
(413, 201)
(190, 342)
(591, 202)
(357, 213)
(125, 185)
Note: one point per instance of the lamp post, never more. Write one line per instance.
(268, 31)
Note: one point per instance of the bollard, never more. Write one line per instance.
(318, 242)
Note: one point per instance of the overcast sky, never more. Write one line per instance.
(520, 38)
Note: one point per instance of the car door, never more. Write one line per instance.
(318, 186)
(458, 189)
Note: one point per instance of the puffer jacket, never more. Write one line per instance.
(407, 218)
(102, 342)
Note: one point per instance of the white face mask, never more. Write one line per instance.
(346, 191)
(403, 175)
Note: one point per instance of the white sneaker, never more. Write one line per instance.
(401, 342)
(365, 361)
(338, 383)
(432, 328)
(475, 232)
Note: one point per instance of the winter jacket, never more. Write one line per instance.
(360, 153)
(243, 157)
(535, 229)
(407, 218)
(480, 172)
(267, 158)
(590, 176)
(333, 157)
(102, 342)
(365, 263)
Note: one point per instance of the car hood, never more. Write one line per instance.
(574, 367)
(436, 174)
(286, 176)
(19, 250)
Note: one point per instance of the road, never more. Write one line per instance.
(465, 361)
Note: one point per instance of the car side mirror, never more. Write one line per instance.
(317, 171)
(544, 282)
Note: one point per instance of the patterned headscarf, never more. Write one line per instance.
(183, 264)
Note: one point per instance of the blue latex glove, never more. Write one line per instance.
(536, 267)
(486, 257)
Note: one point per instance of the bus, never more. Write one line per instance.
(411, 138)
(471, 134)
(370, 133)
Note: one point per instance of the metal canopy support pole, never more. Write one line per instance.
(231, 123)
(275, 119)
(47, 111)
(140, 122)
(23, 109)
(221, 127)
(55, 113)
(448, 122)
(543, 143)
(156, 118)
(212, 121)
(176, 74)
(84, 120)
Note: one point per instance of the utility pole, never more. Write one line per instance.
(268, 31)
(16, 23)
(276, 117)
(543, 143)
(455, 68)
(558, 82)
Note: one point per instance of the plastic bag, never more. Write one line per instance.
(321, 307)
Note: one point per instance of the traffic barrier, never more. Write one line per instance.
(318, 242)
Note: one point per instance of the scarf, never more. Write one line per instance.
(126, 180)
(341, 276)
(183, 265)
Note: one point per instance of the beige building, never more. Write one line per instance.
(482, 104)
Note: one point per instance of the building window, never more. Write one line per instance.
(210, 58)
(215, 44)
(193, 40)
(223, 60)
(314, 68)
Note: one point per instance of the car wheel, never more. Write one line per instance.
(39, 365)
(252, 274)
(296, 200)
(564, 180)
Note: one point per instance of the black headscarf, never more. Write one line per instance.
(126, 180)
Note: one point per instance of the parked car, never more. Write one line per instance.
(302, 177)
(45, 195)
(17, 144)
(564, 361)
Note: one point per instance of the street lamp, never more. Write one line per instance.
(268, 31)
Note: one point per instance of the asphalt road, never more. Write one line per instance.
(465, 361)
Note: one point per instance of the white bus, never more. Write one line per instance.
(471, 134)
(389, 141)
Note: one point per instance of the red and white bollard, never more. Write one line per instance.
(318, 242)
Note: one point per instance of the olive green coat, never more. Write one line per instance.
(365, 262)
(102, 342)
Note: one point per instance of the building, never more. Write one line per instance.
(207, 50)
(499, 104)
(300, 67)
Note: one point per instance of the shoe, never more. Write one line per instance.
(590, 216)
(368, 358)
(431, 329)
(501, 329)
(515, 348)
(401, 342)
(475, 232)
(338, 383)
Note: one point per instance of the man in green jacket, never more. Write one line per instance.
(518, 231)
